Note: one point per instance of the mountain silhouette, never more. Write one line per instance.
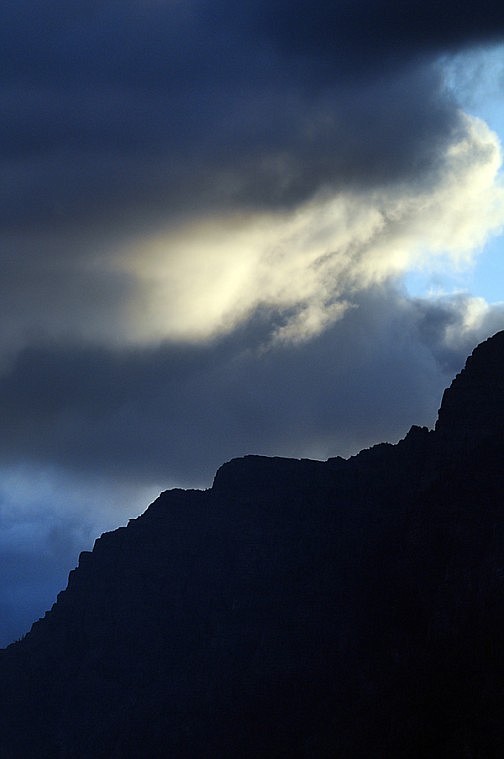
(297, 608)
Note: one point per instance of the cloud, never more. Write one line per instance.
(363, 33)
(207, 274)
(168, 168)
(174, 413)
(149, 109)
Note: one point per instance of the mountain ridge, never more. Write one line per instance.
(295, 608)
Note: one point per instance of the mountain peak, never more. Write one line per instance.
(472, 408)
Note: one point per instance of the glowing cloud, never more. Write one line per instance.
(205, 277)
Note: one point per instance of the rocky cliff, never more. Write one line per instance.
(295, 609)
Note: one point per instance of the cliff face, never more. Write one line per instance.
(296, 608)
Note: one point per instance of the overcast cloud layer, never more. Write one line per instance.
(207, 211)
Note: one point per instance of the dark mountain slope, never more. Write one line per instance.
(295, 609)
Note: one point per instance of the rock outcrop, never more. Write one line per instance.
(348, 608)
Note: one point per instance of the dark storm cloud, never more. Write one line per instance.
(122, 113)
(174, 414)
(358, 34)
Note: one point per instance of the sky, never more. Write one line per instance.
(266, 227)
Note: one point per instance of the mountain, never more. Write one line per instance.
(297, 608)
